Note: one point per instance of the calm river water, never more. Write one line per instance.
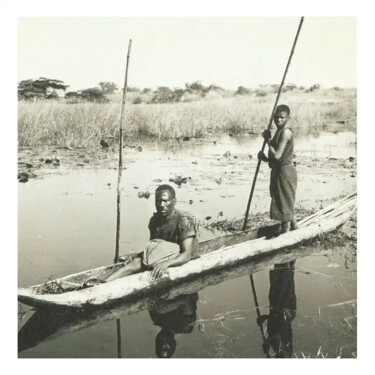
(67, 224)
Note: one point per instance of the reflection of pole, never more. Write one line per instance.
(270, 124)
(265, 349)
(120, 156)
(118, 326)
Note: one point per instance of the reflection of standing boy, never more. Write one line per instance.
(283, 309)
(283, 183)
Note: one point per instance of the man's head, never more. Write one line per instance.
(281, 116)
(165, 200)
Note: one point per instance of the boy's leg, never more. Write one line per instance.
(293, 224)
(284, 226)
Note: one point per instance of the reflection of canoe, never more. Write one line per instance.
(221, 253)
(45, 325)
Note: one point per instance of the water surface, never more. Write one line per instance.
(67, 224)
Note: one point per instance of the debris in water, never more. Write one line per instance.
(104, 144)
(348, 164)
(333, 265)
(219, 181)
(178, 180)
(23, 177)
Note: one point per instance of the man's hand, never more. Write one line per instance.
(159, 270)
(267, 135)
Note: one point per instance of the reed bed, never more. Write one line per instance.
(56, 123)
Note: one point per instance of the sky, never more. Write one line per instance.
(228, 52)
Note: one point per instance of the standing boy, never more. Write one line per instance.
(283, 182)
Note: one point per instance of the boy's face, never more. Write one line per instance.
(280, 119)
(164, 202)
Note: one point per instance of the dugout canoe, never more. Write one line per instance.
(221, 253)
(43, 325)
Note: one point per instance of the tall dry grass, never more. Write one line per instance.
(85, 124)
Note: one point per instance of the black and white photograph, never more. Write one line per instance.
(187, 187)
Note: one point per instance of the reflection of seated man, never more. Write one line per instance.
(282, 299)
(175, 316)
(173, 238)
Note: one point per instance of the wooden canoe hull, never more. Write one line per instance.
(45, 325)
(232, 255)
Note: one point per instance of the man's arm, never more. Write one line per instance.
(186, 250)
(277, 153)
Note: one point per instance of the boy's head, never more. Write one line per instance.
(281, 116)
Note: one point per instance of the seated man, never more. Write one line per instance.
(173, 238)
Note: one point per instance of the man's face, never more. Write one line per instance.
(280, 119)
(164, 203)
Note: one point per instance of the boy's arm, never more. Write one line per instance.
(277, 153)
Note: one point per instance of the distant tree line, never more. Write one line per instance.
(44, 88)
(88, 95)
(164, 94)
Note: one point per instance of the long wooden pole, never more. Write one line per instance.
(122, 118)
(270, 123)
(266, 352)
(118, 331)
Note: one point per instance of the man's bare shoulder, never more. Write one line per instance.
(184, 215)
(186, 223)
